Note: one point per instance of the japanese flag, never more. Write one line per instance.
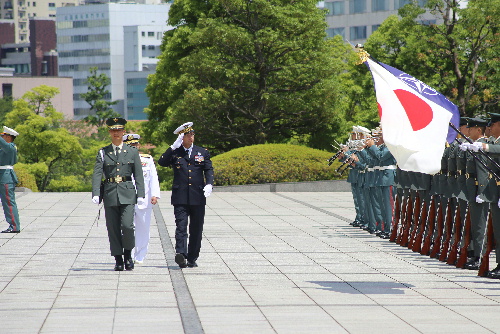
(414, 118)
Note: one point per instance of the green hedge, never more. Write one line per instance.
(271, 163)
(25, 178)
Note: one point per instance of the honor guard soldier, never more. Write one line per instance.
(8, 179)
(142, 217)
(193, 180)
(489, 185)
(478, 204)
(118, 164)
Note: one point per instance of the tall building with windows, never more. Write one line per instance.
(356, 20)
(20, 11)
(94, 36)
(142, 48)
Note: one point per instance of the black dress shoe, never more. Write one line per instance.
(180, 259)
(118, 267)
(10, 230)
(192, 264)
(129, 264)
(495, 273)
(371, 231)
(385, 235)
(472, 263)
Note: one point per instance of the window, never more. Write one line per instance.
(6, 90)
(335, 7)
(331, 32)
(379, 5)
(400, 3)
(151, 47)
(34, 4)
(375, 27)
(52, 5)
(143, 34)
(151, 34)
(358, 32)
(357, 6)
(144, 47)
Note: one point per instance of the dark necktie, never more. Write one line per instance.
(117, 151)
(187, 153)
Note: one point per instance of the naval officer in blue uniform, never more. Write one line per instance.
(193, 180)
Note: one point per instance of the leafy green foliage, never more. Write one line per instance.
(459, 57)
(25, 176)
(247, 72)
(96, 96)
(272, 163)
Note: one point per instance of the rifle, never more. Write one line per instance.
(395, 219)
(490, 244)
(466, 234)
(416, 218)
(449, 224)
(426, 247)
(436, 245)
(404, 213)
(406, 228)
(452, 256)
(417, 244)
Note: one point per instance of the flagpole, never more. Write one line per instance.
(475, 156)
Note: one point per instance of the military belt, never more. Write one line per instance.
(118, 179)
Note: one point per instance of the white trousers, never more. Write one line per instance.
(142, 221)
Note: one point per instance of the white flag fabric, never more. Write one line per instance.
(414, 118)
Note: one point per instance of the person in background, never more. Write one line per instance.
(142, 216)
(8, 179)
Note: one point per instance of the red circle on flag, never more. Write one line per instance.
(418, 111)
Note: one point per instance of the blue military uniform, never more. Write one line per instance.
(8, 180)
(192, 173)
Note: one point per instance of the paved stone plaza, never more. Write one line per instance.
(271, 262)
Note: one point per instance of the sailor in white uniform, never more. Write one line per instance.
(142, 217)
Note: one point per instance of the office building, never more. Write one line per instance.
(94, 36)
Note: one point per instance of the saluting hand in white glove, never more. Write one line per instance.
(178, 142)
(207, 190)
(95, 199)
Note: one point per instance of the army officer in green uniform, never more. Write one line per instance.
(116, 164)
(8, 179)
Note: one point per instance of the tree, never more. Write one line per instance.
(458, 57)
(96, 97)
(6, 106)
(246, 72)
(42, 143)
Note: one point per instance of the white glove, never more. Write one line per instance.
(464, 146)
(141, 201)
(476, 146)
(95, 199)
(178, 142)
(207, 190)
(479, 200)
(499, 203)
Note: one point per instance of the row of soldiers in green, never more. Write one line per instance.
(372, 180)
(466, 185)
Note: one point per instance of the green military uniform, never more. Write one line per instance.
(8, 181)
(120, 194)
(478, 211)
